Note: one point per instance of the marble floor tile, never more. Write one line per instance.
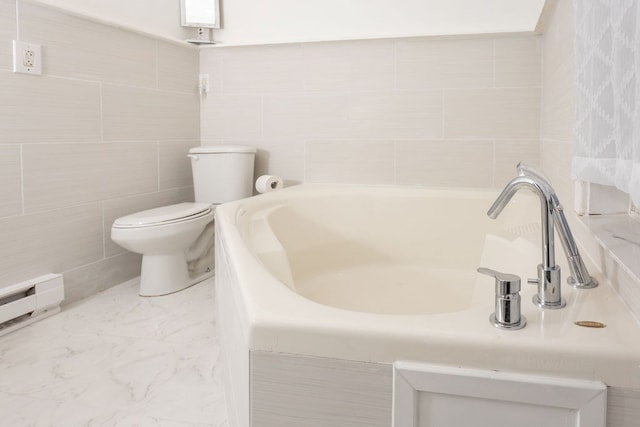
(117, 359)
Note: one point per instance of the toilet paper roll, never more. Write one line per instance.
(266, 183)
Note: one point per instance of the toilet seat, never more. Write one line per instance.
(164, 215)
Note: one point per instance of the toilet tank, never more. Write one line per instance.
(222, 173)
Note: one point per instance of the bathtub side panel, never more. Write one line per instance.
(233, 337)
(304, 391)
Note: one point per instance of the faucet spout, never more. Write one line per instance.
(580, 277)
(546, 213)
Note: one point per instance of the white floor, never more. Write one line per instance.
(117, 359)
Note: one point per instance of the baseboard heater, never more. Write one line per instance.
(29, 301)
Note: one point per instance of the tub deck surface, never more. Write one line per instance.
(278, 250)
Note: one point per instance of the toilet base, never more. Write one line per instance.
(166, 274)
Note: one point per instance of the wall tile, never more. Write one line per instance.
(555, 159)
(288, 388)
(444, 89)
(518, 62)
(445, 163)
(44, 109)
(497, 113)
(174, 167)
(351, 162)
(49, 242)
(82, 282)
(211, 63)
(178, 116)
(177, 67)
(129, 113)
(142, 114)
(115, 208)
(301, 115)
(231, 117)
(282, 158)
(261, 69)
(509, 153)
(76, 47)
(559, 35)
(365, 65)
(7, 33)
(558, 100)
(396, 115)
(57, 175)
(10, 181)
(425, 63)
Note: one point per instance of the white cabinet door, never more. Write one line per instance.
(443, 396)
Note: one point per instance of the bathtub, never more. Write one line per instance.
(316, 279)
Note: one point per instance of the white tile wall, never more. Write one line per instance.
(354, 66)
(301, 115)
(492, 113)
(7, 33)
(424, 111)
(458, 63)
(509, 153)
(102, 133)
(350, 162)
(10, 182)
(76, 47)
(232, 117)
(174, 167)
(396, 115)
(284, 156)
(557, 110)
(146, 114)
(518, 62)
(445, 163)
(178, 68)
(55, 240)
(89, 279)
(304, 391)
(48, 109)
(58, 175)
(272, 69)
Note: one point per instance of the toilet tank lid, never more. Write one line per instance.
(163, 214)
(212, 149)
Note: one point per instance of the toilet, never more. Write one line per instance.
(176, 241)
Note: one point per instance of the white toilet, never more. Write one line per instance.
(176, 241)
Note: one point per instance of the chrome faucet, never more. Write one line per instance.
(551, 213)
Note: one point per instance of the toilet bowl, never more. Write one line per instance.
(163, 236)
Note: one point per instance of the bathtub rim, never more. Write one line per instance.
(550, 345)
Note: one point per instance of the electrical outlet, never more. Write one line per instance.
(27, 58)
(203, 84)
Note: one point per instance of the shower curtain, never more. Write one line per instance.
(607, 127)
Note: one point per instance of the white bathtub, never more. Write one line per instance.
(387, 274)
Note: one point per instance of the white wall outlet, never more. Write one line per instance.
(27, 58)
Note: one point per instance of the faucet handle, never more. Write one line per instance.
(507, 300)
(506, 284)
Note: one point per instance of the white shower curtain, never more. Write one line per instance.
(607, 129)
